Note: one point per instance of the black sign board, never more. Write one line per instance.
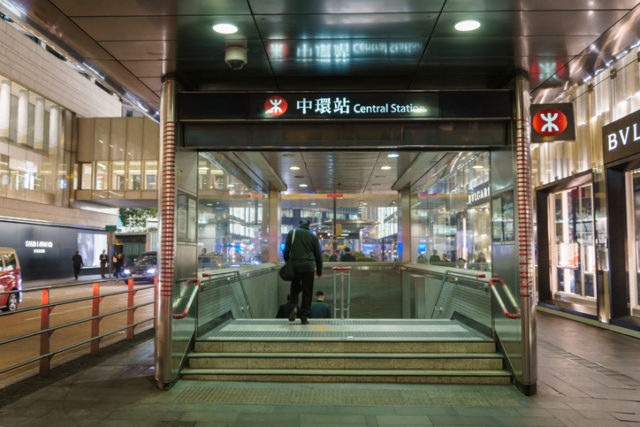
(294, 106)
(552, 122)
(621, 138)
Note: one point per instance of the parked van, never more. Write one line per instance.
(10, 280)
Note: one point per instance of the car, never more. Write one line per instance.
(10, 280)
(144, 269)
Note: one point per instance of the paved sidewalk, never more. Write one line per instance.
(587, 377)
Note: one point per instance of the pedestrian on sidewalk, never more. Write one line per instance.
(77, 264)
(103, 263)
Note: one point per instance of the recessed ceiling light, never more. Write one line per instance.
(313, 203)
(302, 185)
(224, 28)
(478, 167)
(230, 185)
(385, 167)
(294, 168)
(393, 155)
(467, 25)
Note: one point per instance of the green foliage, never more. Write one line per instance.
(136, 217)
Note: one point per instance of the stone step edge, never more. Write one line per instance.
(204, 355)
(413, 340)
(346, 372)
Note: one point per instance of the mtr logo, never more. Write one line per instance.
(549, 122)
(275, 106)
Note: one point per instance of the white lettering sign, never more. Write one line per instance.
(38, 244)
(342, 105)
(479, 194)
(613, 139)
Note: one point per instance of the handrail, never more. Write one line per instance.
(192, 297)
(509, 296)
(45, 331)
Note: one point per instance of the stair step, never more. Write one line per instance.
(353, 355)
(218, 346)
(498, 376)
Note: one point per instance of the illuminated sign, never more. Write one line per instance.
(552, 122)
(39, 246)
(275, 106)
(479, 194)
(621, 138)
(341, 51)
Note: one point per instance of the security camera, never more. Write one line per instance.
(236, 54)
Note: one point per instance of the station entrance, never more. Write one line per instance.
(427, 206)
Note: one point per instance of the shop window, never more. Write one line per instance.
(117, 176)
(135, 176)
(102, 169)
(573, 249)
(150, 175)
(87, 174)
(633, 229)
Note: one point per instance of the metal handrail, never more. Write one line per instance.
(45, 331)
(192, 297)
(509, 296)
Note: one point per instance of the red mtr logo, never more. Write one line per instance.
(275, 106)
(549, 122)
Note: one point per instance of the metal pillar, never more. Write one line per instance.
(167, 233)
(405, 225)
(274, 213)
(525, 233)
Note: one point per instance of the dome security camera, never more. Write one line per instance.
(235, 55)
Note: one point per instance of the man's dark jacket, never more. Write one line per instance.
(320, 310)
(306, 255)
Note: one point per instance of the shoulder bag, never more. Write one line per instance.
(286, 271)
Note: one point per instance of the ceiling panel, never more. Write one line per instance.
(355, 26)
(279, 7)
(150, 7)
(149, 68)
(496, 5)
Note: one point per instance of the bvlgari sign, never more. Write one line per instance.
(621, 138)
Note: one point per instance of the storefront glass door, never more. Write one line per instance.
(633, 231)
(573, 249)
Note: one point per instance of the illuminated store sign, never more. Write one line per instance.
(621, 138)
(479, 194)
(552, 122)
(39, 246)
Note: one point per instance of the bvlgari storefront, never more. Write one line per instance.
(621, 155)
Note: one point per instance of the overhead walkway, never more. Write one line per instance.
(389, 351)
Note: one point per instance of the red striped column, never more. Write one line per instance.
(167, 197)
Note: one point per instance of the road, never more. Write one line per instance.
(17, 324)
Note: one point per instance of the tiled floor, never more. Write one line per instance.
(587, 377)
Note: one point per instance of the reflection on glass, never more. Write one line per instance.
(573, 248)
(367, 226)
(117, 176)
(453, 219)
(87, 171)
(101, 175)
(633, 186)
(135, 175)
(232, 219)
(151, 174)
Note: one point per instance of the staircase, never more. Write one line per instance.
(330, 350)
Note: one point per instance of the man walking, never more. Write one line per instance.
(303, 248)
(77, 264)
(103, 263)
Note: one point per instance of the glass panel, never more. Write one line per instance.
(232, 219)
(117, 176)
(87, 169)
(101, 175)
(574, 241)
(453, 219)
(151, 175)
(634, 290)
(135, 176)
